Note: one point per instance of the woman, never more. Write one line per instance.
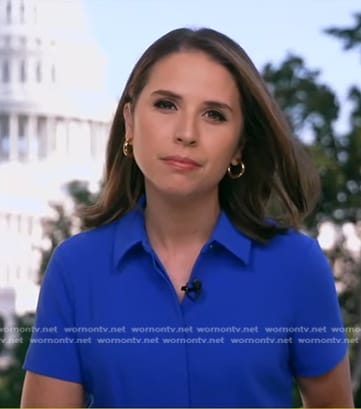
(190, 291)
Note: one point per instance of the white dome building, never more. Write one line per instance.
(54, 121)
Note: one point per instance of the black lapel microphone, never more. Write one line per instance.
(194, 290)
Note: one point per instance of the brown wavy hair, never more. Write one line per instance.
(280, 185)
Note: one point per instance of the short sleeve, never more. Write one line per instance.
(52, 351)
(319, 341)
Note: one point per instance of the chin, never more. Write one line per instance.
(181, 193)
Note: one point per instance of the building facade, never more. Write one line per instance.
(54, 121)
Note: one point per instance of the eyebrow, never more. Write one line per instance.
(173, 95)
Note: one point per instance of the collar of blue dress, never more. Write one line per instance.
(130, 231)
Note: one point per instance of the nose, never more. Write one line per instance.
(186, 131)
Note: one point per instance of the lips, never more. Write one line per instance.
(182, 160)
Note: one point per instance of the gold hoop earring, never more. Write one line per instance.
(127, 149)
(237, 175)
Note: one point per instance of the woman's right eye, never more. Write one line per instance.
(164, 104)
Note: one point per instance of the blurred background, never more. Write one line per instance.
(63, 64)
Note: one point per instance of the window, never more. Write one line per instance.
(4, 137)
(22, 12)
(5, 71)
(38, 72)
(22, 71)
(22, 135)
(61, 137)
(41, 135)
(53, 76)
(8, 11)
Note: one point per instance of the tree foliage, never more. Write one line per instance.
(312, 109)
(12, 378)
(349, 36)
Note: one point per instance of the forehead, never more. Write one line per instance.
(192, 72)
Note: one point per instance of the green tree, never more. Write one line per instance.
(349, 36)
(312, 109)
(12, 378)
(351, 166)
(350, 155)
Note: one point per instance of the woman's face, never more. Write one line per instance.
(186, 125)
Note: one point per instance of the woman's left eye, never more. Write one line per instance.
(165, 104)
(215, 115)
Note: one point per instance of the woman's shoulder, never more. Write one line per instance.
(291, 240)
(87, 241)
(101, 239)
(293, 247)
(297, 237)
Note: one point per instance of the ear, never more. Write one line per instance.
(237, 155)
(236, 158)
(128, 121)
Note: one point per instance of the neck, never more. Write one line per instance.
(172, 224)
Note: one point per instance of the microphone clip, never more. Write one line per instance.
(194, 291)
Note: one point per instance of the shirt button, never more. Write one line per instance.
(210, 247)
